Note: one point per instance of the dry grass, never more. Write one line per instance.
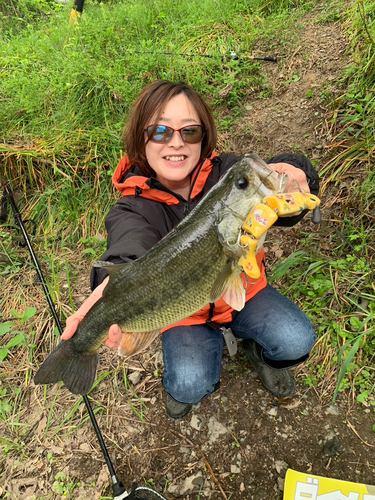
(47, 423)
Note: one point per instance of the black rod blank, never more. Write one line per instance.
(118, 488)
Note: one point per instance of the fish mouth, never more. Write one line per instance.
(267, 185)
(266, 179)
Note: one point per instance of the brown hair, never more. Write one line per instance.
(150, 103)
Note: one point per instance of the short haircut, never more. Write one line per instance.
(151, 103)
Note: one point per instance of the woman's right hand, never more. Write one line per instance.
(114, 335)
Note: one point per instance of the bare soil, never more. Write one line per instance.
(239, 442)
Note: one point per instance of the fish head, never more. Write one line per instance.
(245, 184)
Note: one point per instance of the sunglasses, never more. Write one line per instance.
(192, 134)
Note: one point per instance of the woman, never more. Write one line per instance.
(169, 166)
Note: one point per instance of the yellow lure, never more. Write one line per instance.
(263, 216)
(291, 203)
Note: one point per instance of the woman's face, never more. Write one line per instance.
(174, 161)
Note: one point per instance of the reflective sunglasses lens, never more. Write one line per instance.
(159, 133)
(192, 134)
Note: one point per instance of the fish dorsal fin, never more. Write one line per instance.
(111, 268)
(229, 286)
(134, 342)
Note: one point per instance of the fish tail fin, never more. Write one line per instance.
(77, 370)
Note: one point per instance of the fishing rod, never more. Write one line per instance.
(232, 55)
(119, 491)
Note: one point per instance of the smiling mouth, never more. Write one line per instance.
(176, 158)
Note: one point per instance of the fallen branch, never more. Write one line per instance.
(358, 436)
(213, 474)
(205, 461)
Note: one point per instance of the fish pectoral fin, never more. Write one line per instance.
(134, 342)
(229, 286)
(111, 268)
(221, 283)
(235, 294)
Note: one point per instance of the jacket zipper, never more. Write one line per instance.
(187, 202)
(187, 207)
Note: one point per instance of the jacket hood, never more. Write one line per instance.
(131, 182)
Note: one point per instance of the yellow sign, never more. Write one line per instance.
(300, 486)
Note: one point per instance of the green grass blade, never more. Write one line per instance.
(346, 364)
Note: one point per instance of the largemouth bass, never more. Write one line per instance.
(192, 266)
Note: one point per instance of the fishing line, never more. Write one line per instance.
(231, 56)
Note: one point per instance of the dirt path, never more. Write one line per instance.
(241, 434)
(289, 120)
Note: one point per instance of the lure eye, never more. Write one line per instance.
(242, 183)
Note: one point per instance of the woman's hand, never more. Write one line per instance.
(296, 177)
(114, 335)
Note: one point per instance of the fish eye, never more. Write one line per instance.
(242, 183)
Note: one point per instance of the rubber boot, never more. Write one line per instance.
(176, 409)
(278, 381)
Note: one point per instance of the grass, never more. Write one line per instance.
(338, 296)
(351, 121)
(58, 119)
(65, 92)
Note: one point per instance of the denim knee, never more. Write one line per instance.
(276, 324)
(293, 344)
(192, 362)
(189, 390)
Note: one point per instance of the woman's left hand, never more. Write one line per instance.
(296, 177)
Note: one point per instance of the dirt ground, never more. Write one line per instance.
(239, 442)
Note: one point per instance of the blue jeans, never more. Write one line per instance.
(193, 354)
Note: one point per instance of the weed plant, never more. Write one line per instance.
(334, 282)
(353, 114)
(66, 89)
(351, 169)
(65, 93)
